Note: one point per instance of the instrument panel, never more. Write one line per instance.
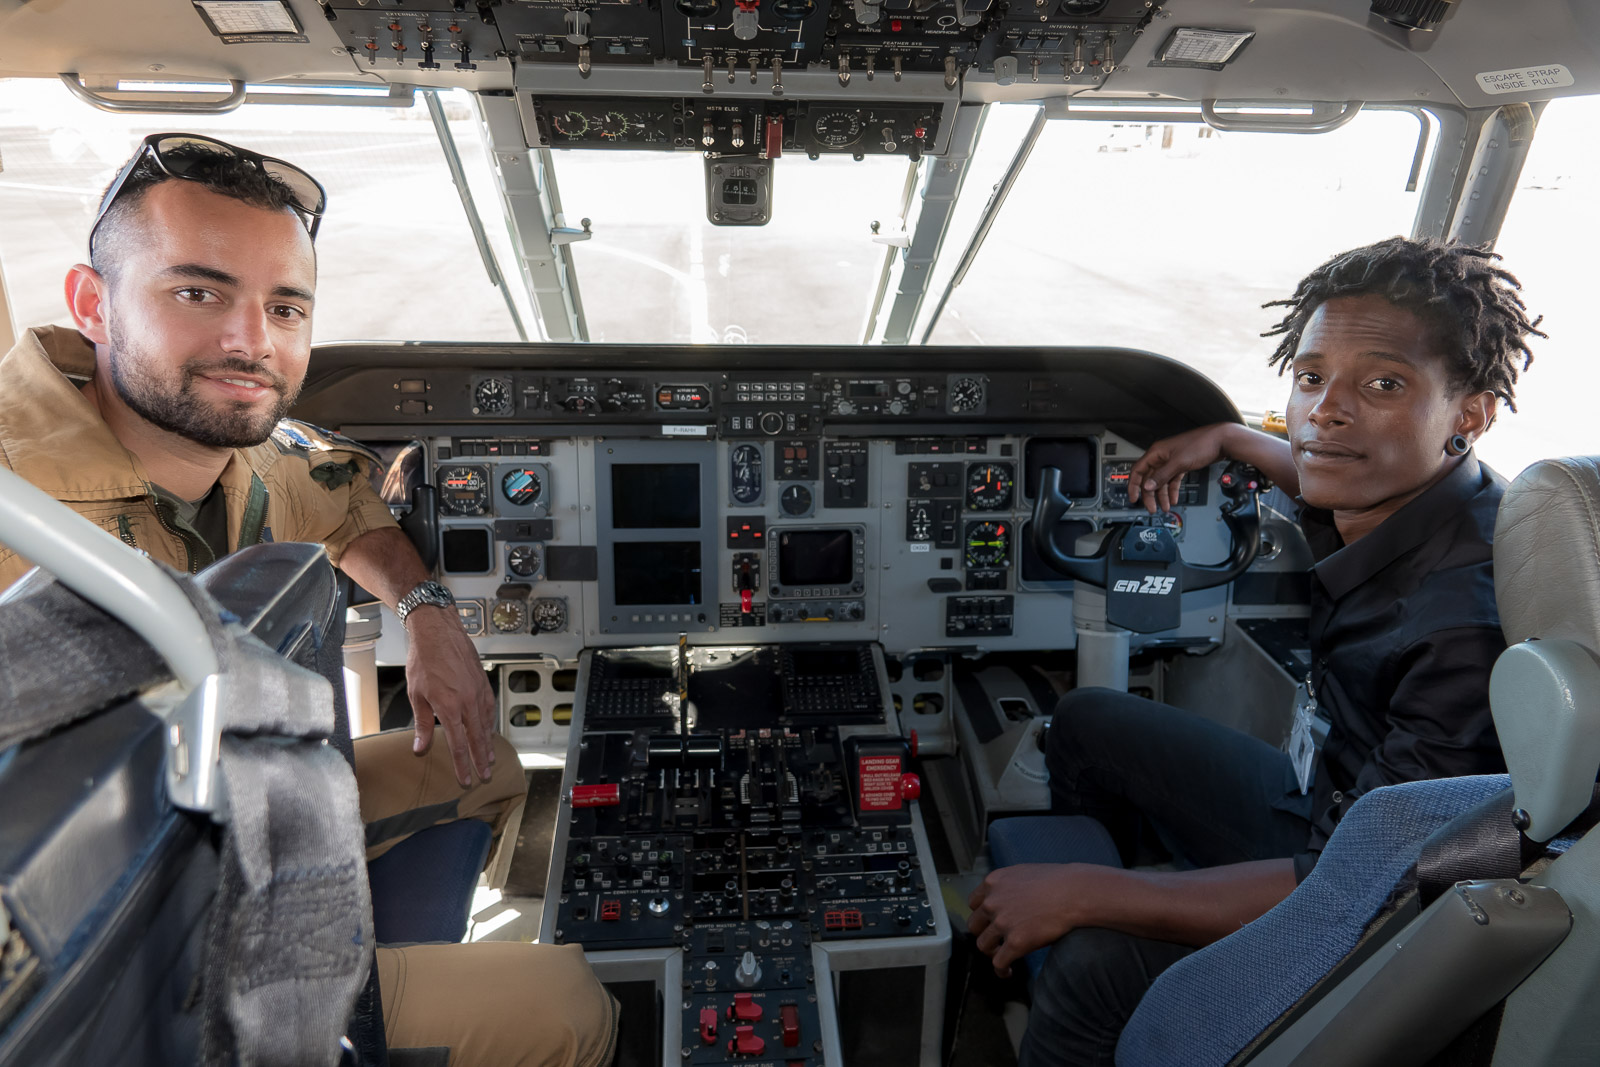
(625, 504)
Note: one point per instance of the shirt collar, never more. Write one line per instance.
(1344, 567)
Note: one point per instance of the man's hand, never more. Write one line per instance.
(445, 681)
(1018, 909)
(443, 676)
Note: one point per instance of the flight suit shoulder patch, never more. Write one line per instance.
(294, 437)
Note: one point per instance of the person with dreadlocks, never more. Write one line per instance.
(1399, 354)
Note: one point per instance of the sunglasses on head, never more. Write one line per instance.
(306, 194)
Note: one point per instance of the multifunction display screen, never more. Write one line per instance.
(657, 572)
(655, 496)
(816, 557)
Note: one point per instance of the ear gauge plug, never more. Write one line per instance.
(1457, 445)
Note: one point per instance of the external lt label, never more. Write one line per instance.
(1526, 79)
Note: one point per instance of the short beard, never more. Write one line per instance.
(183, 412)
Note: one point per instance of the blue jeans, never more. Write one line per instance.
(1212, 795)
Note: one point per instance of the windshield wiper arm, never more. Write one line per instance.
(991, 211)
(458, 174)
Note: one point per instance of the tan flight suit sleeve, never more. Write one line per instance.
(364, 510)
(497, 1004)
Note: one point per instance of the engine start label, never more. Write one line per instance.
(879, 783)
(1526, 79)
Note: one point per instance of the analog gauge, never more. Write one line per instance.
(549, 615)
(796, 500)
(1081, 7)
(492, 397)
(508, 616)
(521, 486)
(614, 125)
(746, 474)
(988, 544)
(571, 125)
(464, 490)
(989, 486)
(966, 395)
(523, 560)
(919, 524)
(837, 129)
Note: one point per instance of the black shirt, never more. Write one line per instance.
(1404, 633)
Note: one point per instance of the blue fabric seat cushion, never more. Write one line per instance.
(422, 888)
(1207, 1007)
(1050, 839)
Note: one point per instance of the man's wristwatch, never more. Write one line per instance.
(429, 592)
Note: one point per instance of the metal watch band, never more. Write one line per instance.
(429, 592)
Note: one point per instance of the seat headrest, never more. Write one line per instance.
(1547, 553)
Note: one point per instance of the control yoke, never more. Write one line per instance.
(1139, 566)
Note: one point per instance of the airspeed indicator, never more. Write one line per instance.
(989, 486)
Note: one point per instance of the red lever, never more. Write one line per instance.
(745, 1042)
(745, 596)
(910, 787)
(605, 795)
(774, 136)
(913, 744)
(745, 1009)
(789, 1015)
(708, 1025)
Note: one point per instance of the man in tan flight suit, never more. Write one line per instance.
(159, 420)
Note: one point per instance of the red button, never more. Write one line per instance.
(606, 795)
(895, 25)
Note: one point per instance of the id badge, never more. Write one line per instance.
(1302, 745)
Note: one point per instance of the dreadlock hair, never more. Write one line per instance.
(1472, 307)
(221, 172)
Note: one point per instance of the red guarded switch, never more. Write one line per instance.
(745, 1042)
(744, 1008)
(910, 787)
(746, 601)
(605, 795)
(708, 1025)
(789, 1018)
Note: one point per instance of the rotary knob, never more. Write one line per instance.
(771, 422)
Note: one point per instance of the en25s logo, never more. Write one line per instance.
(1153, 584)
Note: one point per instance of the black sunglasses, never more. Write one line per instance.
(306, 194)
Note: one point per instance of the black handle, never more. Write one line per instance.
(1242, 515)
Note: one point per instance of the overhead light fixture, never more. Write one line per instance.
(1191, 46)
(251, 21)
(1412, 14)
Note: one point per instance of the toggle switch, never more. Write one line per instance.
(744, 1008)
(708, 1025)
(745, 1042)
(789, 1021)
